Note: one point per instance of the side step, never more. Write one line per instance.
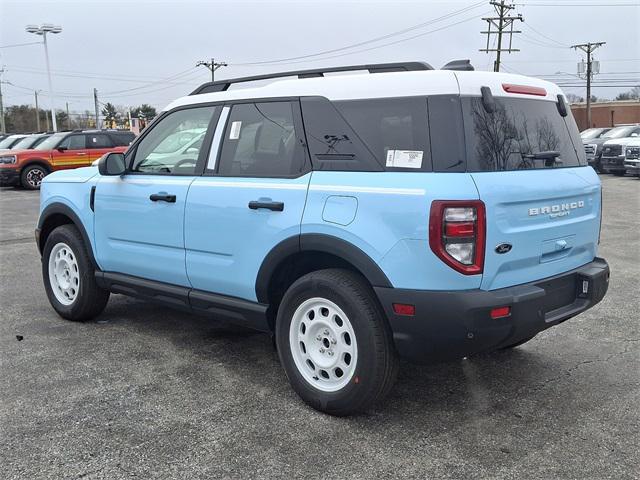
(234, 310)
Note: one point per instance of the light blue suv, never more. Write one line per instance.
(412, 212)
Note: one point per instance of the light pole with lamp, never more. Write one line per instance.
(43, 30)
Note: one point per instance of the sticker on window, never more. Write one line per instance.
(234, 134)
(404, 158)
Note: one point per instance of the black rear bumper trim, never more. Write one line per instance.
(456, 324)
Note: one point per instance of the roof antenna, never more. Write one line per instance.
(460, 65)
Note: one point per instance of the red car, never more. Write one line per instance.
(58, 152)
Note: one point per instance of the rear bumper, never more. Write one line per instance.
(455, 324)
(9, 176)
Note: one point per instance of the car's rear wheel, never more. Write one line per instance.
(69, 276)
(619, 173)
(31, 176)
(334, 343)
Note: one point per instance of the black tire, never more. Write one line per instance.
(90, 300)
(376, 366)
(618, 173)
(32, 175)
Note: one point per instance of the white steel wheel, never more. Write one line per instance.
(323, 344)
(64, 275)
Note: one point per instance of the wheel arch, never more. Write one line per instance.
(55, 215)
(299, 255)
(36, 161)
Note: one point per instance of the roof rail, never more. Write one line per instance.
(460, 65)
(223, 85)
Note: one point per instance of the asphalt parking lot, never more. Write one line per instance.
(145, 392)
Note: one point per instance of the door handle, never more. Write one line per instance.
(82, 154)
(162, 197)
(275, 206)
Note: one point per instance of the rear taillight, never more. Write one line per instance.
(457, 234)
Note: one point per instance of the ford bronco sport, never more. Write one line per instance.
(427, 214)
(59, 151)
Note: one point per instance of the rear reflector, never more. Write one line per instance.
(524, 89)
(404, 309)
(500, 312)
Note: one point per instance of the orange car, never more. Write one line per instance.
(60, 151)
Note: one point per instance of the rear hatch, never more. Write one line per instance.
(542, 201)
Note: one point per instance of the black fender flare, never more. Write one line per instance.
(62, 209)
(316, 242)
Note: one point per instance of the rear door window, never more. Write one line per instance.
(261, 140)
(520, 134)
(73, 142)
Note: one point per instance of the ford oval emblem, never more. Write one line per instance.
(503, 248)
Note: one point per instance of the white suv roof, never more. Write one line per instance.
(381, 85)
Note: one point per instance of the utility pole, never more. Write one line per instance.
(504, 25)
(37, 112)
(95, 104)
(68, 117)
(213, 66)
(2, 125)
(588, 48)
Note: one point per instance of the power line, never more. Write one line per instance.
(20, 44)
(530, 27)
(542, 43)
(365, 42)
(578, 4)
(475, 17)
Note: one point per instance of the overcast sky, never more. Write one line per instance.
(128, 49)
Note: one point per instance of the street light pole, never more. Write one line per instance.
(37, 112)
(43, 30)
(51, 97)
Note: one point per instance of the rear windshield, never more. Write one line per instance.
(520, 134)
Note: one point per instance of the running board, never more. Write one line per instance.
(234, 310)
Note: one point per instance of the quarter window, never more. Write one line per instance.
(98, 141)
(261, 141)
(173, 145)
(394, 129)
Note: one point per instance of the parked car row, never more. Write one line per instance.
(613, 150)
(26, 159)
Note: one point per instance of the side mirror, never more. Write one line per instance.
(112, 164)
(61, 149)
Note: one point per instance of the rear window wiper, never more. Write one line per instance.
(550, 157)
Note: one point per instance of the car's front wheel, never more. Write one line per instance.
(31, 176)
(69, 276)
(334, 343)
